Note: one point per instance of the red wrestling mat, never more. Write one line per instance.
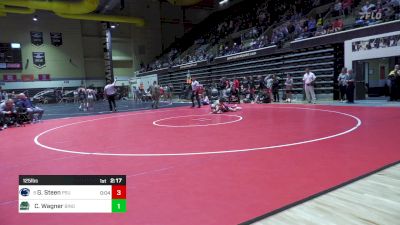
(186, 166)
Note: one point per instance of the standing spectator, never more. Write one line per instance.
(394, 77)
(236, 89)
(269, 81)
(171, 90)
(222, 85)
(350, 86)
(275, 88)
(82, 98)
(252, 88)
(75, 92)
(289, 87)
(195, 92)
(110, 91)
(155, 94)
(342, 81)
(90, 99)
(309, 80)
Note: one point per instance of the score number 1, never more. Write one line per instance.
(118, 198)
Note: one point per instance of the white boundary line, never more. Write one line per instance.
(156, 123)
(36, 139)
(108, 112)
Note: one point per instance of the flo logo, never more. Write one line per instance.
(24, 191)
(24, 206)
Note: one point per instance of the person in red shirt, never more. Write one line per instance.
(338, 25)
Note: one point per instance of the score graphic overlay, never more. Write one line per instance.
(72, 194)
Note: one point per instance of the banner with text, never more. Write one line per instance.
(39, 59)
(44, 77)
(27, 77)
(9, 77)
(36, 38)
(56, 39)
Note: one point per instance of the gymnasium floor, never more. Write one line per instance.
(187, 166)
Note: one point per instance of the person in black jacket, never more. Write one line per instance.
(275, 88)
(252, 87)
(350, 86)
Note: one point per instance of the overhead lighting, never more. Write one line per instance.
(223, 2)
(35, 18)
(15, 45)
(112, 26)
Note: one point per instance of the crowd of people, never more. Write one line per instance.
(250, 89)
(293, 24)
(140, 94)
(18, 109)
(86, 98)
(373, 12)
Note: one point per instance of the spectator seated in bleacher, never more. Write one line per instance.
(337, 25)
(220, 106)
(294, 19)
(35, 113)
(312, 23)
(338, 8)
(320, 31)
(346, 6)
(368, 7)
(8, 114)
(383, 10)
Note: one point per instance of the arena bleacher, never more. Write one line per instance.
(269, 49)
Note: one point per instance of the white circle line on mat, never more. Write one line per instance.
(156, 123)
(37, 142)
(102, 112)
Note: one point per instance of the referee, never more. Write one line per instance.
(110, 91)
(195, 92)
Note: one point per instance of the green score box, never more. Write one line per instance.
(118, 205)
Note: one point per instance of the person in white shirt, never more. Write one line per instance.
(289, 87)
(308, 80)
(342, 81)
(195, 92)
(110, 91)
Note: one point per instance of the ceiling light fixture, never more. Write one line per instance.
(223, 2)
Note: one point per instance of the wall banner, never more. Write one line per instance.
(56, 39)
(36, 38)
(39, 59)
